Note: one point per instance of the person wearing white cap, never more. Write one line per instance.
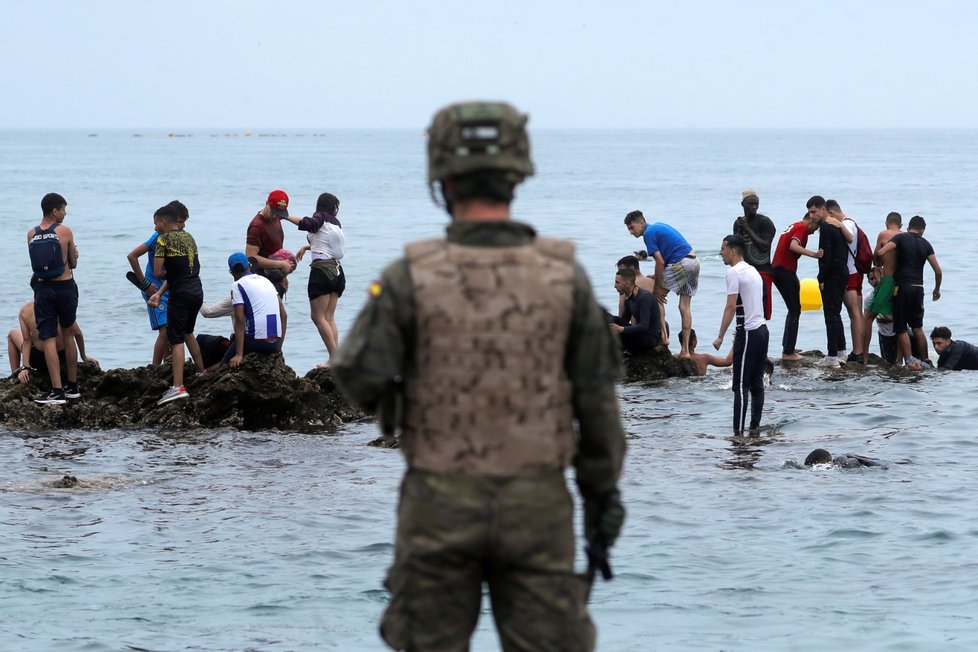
(758, 233)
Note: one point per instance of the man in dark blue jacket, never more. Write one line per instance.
(954, 355)
(644, 334)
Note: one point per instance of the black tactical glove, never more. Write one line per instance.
(603, 518)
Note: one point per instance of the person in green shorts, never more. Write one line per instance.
(882, 303)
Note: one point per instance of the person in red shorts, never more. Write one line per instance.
(784, 269)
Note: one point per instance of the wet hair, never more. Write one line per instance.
(51, 201)
(894, 218)
(941, 332)
(917, 222)
(627, 274)
(818, 456)
(631, 262)
(328, 203)
(816, 201)
(736, 242)
(692, 339)
(182, 212)
(634, 216)
(832, 205)
(167, 214)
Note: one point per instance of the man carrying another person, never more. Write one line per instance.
(676, 268)
(644, 334)
(912, 251)
(758, 233)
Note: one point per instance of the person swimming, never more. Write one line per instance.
(845, 461)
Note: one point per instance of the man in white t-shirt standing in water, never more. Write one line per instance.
(745, 300)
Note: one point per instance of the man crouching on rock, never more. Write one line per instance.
(259, 316)
(490, 344)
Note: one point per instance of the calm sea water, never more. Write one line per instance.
(267, 541)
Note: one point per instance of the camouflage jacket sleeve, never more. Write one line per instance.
(371, 361)
(593, 366)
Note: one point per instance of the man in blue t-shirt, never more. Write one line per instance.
(676, 268)
(148, 283)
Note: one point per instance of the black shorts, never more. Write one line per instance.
(39, 362)
(908, 308)
(320, 284)
(55, 303)
(181, 312)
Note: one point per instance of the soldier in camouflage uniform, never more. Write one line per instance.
(482, 349)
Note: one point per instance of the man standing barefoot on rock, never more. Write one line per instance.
(676, 268)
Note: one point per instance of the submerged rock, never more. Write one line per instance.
(262, 394)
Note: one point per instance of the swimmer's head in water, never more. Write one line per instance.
(818, 456)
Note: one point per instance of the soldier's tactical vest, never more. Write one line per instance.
(490, 395)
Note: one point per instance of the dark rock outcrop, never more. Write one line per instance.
(262, 394)
(657, 364)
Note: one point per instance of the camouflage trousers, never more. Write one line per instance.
(455, 533)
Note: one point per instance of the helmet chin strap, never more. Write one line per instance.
(443, 202)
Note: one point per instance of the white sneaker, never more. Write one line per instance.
(173, 394)
(828, 361)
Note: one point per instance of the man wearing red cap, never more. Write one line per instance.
(265, 235)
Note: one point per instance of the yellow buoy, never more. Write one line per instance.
(811, 298)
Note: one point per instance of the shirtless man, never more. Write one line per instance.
(882, 305)
(24, 346)
(703, 360)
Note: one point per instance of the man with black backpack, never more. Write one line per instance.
(53, 255)
(853, 297)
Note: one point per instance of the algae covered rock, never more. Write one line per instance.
(263, 393)
(657, 364)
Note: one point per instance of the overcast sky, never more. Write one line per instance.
(378, 63)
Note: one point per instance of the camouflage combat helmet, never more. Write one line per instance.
(472, 136)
